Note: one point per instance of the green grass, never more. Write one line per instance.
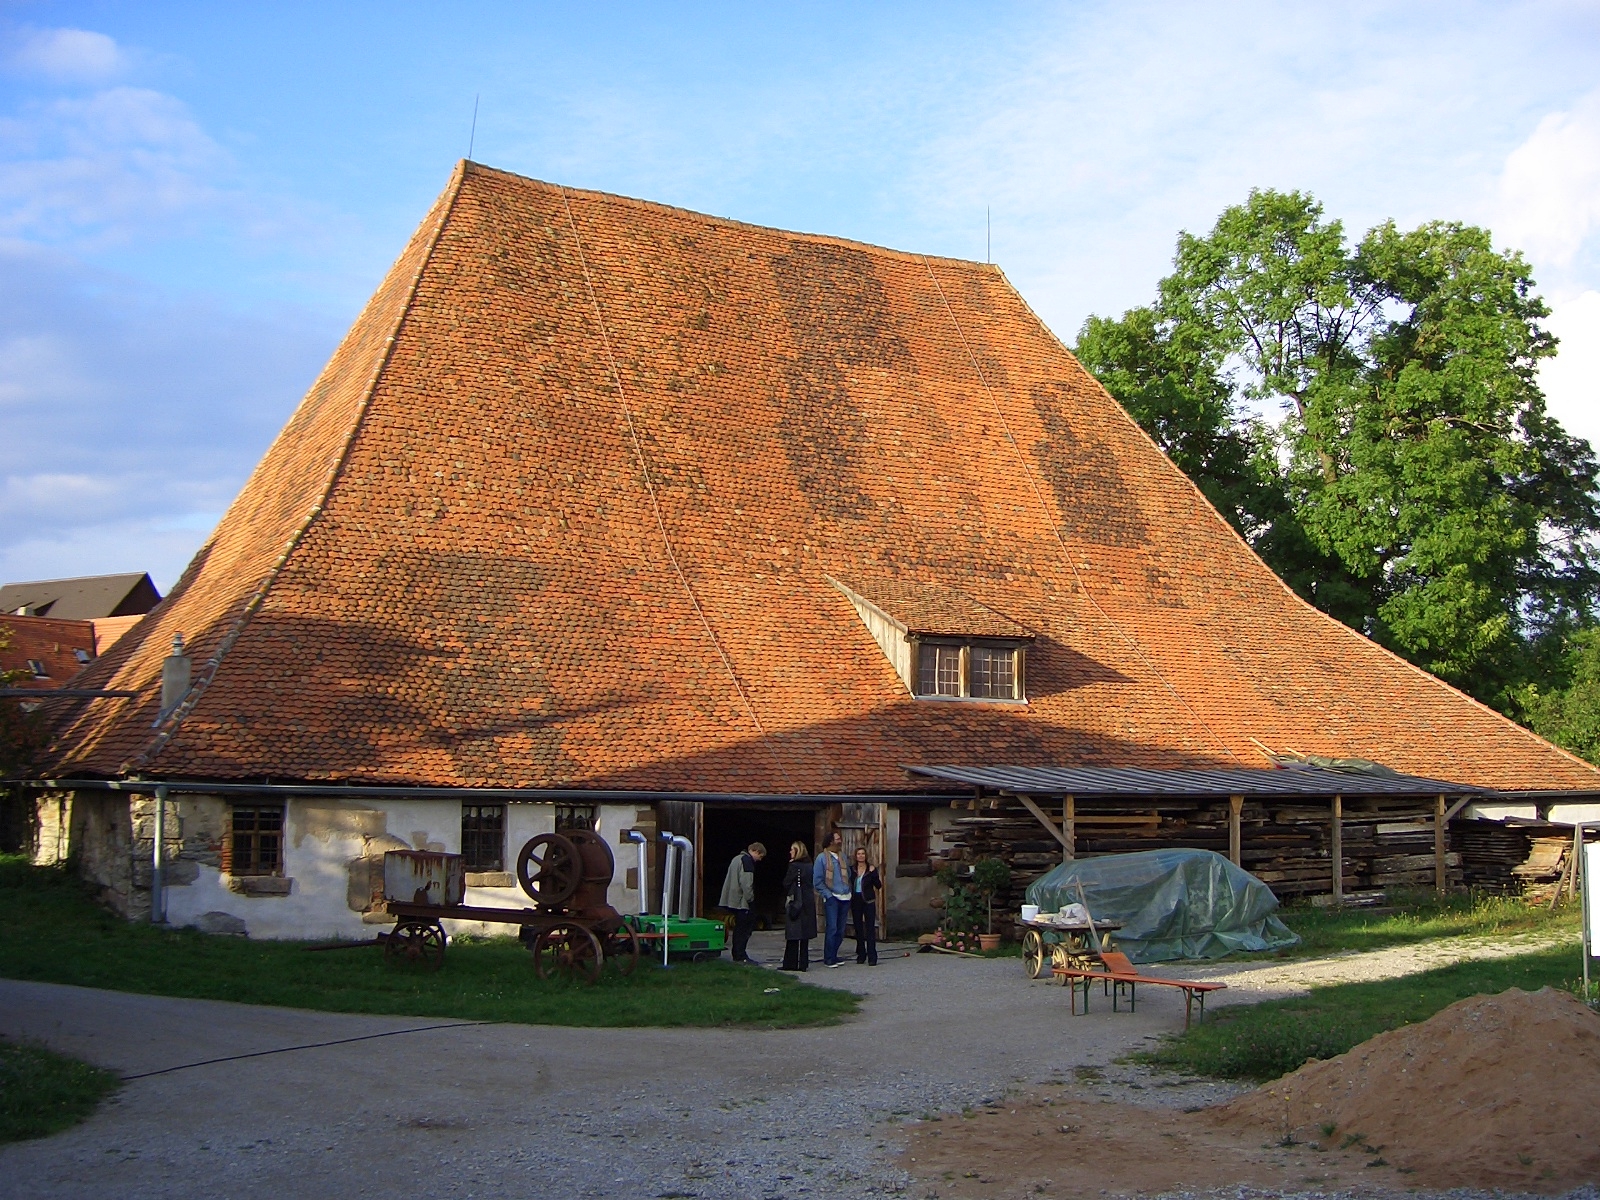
(42, 1092)
(1418, 917)
(1263, 1041)
(55, 933)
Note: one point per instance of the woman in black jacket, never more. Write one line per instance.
(865, 884)
(800, 911)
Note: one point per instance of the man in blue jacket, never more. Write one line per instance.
(831, 880)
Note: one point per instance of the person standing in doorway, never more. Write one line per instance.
(739, 897)
(800, 910)
(831, 878)
(865, 884)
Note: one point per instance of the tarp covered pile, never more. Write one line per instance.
(1170, 903)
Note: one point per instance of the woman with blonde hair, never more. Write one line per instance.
(800, 910)
(865, 884)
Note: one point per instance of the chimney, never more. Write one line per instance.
(174, 678)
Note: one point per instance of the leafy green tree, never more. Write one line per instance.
(1569, 713)
(1412, 483)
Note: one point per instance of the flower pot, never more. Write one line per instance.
(989, 941)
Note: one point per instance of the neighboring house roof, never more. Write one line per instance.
(60, 648)
(82, 599)
(565, 507)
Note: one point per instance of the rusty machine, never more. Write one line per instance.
(571, 928)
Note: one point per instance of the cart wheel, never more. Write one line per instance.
(549, 869)
(1033, 953)
(622, 948)
(570, 951)
(419, 943)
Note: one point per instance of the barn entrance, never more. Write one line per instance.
(729, 829)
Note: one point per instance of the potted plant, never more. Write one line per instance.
(989, 875)
(959, 929)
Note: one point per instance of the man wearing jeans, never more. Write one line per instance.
(831, 881)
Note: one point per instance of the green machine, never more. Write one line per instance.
(664, 934)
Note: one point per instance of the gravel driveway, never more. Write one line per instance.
(502, 1110)
(236, 1101)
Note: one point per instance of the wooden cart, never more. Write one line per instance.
(1046, 945)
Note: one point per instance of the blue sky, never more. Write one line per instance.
(195, 199)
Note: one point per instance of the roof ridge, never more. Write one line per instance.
(658, 206)
(1295, 596)
(208, 672)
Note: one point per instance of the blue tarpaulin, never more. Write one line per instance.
(1171, 903)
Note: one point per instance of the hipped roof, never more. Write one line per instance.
(563, 509)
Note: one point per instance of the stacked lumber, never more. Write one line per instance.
(1385, 843)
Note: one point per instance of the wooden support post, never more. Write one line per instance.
(1044, 819)
(1069, 822)
(1235, 803)
(1338, 850)
(1439, 832)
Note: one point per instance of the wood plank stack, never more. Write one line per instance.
(1386, 843)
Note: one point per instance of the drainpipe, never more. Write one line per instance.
(158, 870)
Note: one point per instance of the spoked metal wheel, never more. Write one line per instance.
(549, 869)
(568, 952)
(1033, 953)
(416, 943)
(622, 949)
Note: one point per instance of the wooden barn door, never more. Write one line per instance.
(867, 824)
(686, 818)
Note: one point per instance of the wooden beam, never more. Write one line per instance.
(1069, 822)
(1044, 819)
(1440, 825)
(1450, 814)
(1235, 803)
(1338, 849)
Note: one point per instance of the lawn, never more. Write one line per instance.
(1263, 1041)
(1420, 916)
(55, 933)
(42, 1092)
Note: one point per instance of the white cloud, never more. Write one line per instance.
(1571, 380)
(111, 165)
(69, 56)
(1549, 199)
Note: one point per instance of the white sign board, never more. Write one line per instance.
(1591, 890)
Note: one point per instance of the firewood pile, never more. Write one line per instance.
(1386, 843)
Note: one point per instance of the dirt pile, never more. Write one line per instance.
(1494, 1091)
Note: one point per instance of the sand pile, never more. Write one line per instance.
(1494, 1091)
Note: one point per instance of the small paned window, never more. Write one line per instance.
(940, 670)
(483, 837)
(574, 816)
(972, 671)
(255, 841)
(994, 673)
(37, 667)
(916, 835)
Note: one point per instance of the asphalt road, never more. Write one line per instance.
(231, 1101)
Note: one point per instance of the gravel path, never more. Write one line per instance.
(1273, 979)
(476, 1110)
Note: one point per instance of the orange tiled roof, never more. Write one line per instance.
(51, 641)
(563, 508)
(927, 608)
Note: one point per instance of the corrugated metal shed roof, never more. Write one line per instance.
(1127, 781)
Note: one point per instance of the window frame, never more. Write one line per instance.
(252, 866)
(1018, 650)
(923, 838)
(478, 827)
(565, 813)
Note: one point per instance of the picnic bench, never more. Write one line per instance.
(1116, 971)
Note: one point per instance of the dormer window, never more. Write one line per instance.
(37, 667)
(944, 645)
(967, 670)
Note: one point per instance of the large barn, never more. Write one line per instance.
(607, 513)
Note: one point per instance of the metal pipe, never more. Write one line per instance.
(633, 835)
(685, 876)
(668, 872)
(158, 867)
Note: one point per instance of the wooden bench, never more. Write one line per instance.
(1118, 972)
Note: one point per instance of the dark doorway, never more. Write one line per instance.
(729, 830)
